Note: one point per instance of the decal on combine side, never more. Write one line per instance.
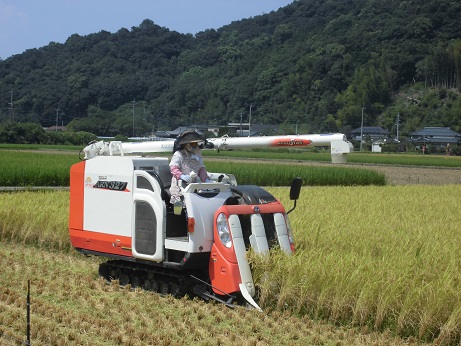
(111, 185)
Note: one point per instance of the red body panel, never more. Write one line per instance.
(274, 207)
(223, 267)
(100, 242)
(77, 182)
(224, 275)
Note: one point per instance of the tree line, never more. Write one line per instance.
(314, 64)
(32, 133)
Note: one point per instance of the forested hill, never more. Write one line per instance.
(313, 63)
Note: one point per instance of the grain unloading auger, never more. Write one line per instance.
(120, 209)
(338, 143)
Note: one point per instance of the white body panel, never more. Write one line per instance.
(108, 211)
(202, 209)
(282, 232)
(240, 252)
(258, 238)
(153, 198)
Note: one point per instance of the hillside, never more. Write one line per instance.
(313, 63)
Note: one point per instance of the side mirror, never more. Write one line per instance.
(295, 188)
(294, 191)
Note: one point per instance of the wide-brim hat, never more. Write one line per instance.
(188, 136)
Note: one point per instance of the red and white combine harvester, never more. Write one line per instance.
(120, 209)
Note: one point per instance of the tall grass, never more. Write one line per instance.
(381, 257)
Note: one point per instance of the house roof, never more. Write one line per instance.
(370, 130)
(174, 133)
(435, 135)
(435, 132)
(240, 129)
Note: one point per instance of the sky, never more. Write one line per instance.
(27, 24)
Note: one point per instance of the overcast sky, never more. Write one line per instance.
(26, 24)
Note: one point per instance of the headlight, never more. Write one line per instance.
(223, 230)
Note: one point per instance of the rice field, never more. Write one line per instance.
(275, 174)
(354, 157)
(37, 218)
(71, 306)
(380, 258)
(52, 169)
(35, 169)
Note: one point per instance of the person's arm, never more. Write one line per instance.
(175, 168)
(176, 172)
(203, 174)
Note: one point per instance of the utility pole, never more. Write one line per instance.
(241, 130)
(133, 103)
(249, 122)
(397, 123)
(361, 130)
(57, 117)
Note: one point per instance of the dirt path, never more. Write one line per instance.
(405, 175)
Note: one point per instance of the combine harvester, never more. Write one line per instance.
(120, 209)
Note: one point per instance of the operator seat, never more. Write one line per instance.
(163, 173)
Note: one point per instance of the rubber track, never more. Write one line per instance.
(163, 281)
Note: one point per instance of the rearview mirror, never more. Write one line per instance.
(294, 191)
(295, 188)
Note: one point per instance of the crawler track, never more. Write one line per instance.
(163, 280)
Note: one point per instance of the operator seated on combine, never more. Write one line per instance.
(187, 162)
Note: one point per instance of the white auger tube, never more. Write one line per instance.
(337, 142)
